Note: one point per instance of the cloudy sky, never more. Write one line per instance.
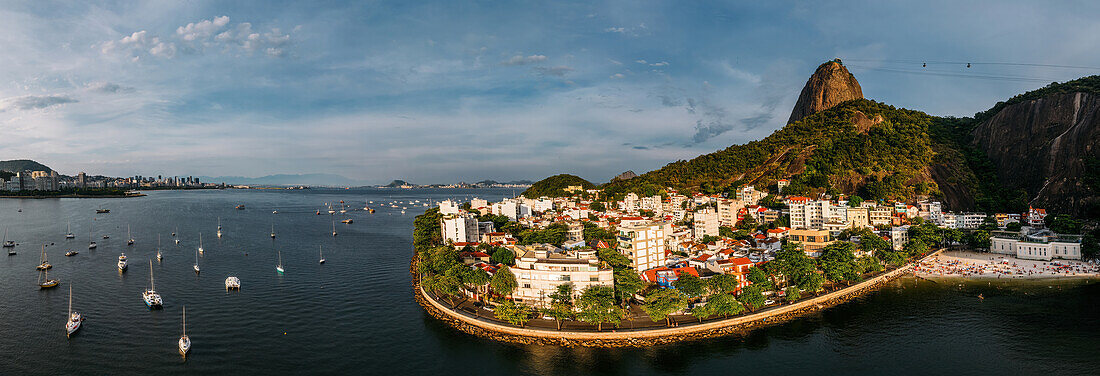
(453, 90)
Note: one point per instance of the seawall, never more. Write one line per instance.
(640, 338)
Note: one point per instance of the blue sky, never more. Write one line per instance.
(449, 91)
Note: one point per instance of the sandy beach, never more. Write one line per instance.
(998, 266)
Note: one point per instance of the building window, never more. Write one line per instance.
(594, 278)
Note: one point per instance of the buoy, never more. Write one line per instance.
(284, 333)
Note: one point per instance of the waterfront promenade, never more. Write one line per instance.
(687, 328)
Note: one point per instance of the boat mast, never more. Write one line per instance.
(152, 286)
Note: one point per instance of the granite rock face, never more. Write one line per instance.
(1043, 146)
(830, 85)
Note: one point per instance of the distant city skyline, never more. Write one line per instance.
(443, 92)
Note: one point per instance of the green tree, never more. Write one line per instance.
(793, 294)
(868, 264)
(690, 285)
(503, 256)
(1013, 226)
(748, 223)
(561, 304)
(978, 240)
(855, 201)
(514, 313)
(838, 262)
(792, 263)
(914, 247)
(597, 206)
(448, 286)
(812, 282)
(1063, 224)
(597, 306)
(706, 239)
(613, 258)
(627, 283)
(722, 283)
(752, 297)
(661, 303)
(725, 305)
(760, 278)
(504, 282)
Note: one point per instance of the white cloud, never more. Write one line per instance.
(619, 30)
(640, 61)
(558, 71)
(524, 60)
(203, 29)
(659, 64)
(109, 88)
(617, 76)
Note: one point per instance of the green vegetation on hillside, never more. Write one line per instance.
(824, 152)
(1089, 84)
(555, 186)
(17, 165)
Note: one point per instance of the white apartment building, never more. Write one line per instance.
(969, 221)
(807, 213)
(899, 236)
(881, 215)
(705, 223)
(511, 208)
(643, 244)
(541, 268)
(459, 229)
(448, 207)
(727, 211)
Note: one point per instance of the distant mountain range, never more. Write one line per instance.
(287, 179)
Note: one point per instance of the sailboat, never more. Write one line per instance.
(279, 267)
(200, 243)
(152, 299)
(197, 262)
(174, 234)
(219, 227)
(45, 262)
(122, 262)
(91, 237)
(273, 231)
(184, 342)
(49, 283)
(334, 227)
(8, 243)
(69, 231)
(130, 238)
(159, 256)
(75, 319)
(322, 255)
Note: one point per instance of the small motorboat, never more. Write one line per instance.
(102, 211)
(122, 262)
(91, 245)
(71, 253)
(232, 283)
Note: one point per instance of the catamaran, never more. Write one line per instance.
(322, 254)
(130, 238)
(184, 342)
(122, 262)
(74, 317)
(69, 231)
(279, 267)
(45, 261)
(152, 299)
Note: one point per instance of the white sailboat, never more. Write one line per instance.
(8, 243)
(279, 267)
(334, 227)
(45, 261)
(152, 299)
(91, 236)
(160, 257)
(322, 254)
(200, 243)
(75, 318)
(185, 341)
(273, 231)
(69, 231)
(174, 235)
(219, 227)
(197, 262)
(129, 237)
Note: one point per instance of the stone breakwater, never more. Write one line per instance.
(648, 337)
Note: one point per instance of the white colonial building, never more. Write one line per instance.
(1036, 245)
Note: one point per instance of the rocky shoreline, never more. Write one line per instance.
(643, 338)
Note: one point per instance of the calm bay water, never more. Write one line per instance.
(356, 314)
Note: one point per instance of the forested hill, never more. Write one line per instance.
(555, 186)
(860, 147)
(17, 165)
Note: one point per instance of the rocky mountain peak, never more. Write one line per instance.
(830, 85)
